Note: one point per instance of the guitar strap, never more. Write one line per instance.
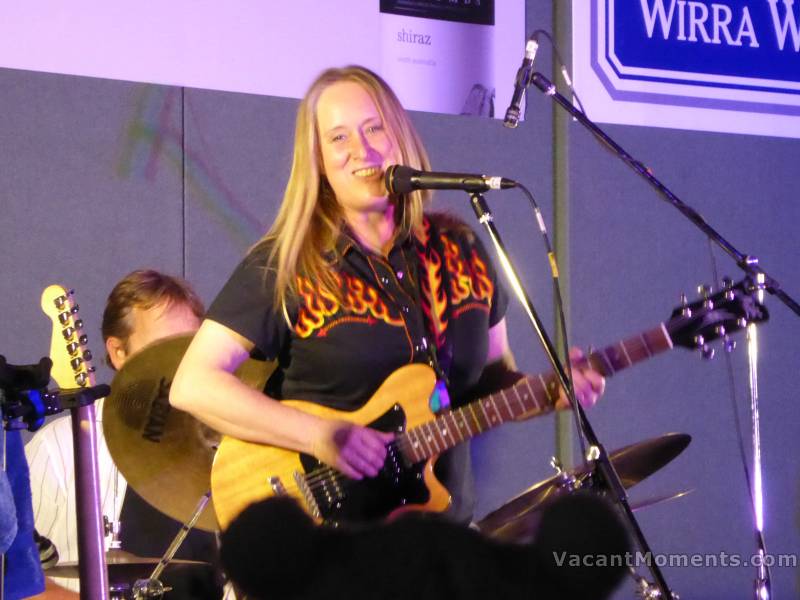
(438, 350)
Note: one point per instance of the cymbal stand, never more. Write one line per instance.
(762, 585)
(152, 587)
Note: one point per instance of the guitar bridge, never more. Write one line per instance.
(308, 495)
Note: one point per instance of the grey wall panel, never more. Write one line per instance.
(238, 155)
(87, 194)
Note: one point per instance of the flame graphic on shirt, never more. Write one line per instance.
(434, 300)
(317, 305)
(482, 286)
(470, 284)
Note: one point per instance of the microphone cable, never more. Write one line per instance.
(562, 323)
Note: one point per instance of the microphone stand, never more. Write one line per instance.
(602, 464)
(747, 263)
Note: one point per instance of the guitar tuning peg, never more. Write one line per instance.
(720, 330)
(730, 344)
(74, 310)
(72, 347)
(727, 283)
(742, 322)
(76, 363)
(68, 331)
(705, 290)
(79, 324)
(707, 352)
(699, 341)
(83, 339)
(81, 379)
(685, 311)
(63, 317)
(59, 302)
(92, 369)
(87, 355)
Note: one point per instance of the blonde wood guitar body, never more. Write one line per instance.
(246, 472)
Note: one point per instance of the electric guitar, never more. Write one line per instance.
(246, 472)
(72, 370)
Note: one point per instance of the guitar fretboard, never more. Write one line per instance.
(528, 397)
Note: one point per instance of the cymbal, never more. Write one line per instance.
(518, 519)
(648, 502)
(165, 454)
(123, 567)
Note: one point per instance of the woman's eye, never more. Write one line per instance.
(338, 138)
(374, 128)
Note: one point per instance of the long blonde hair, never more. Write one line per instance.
(310, 219)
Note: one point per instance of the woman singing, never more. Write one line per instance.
(348, 285)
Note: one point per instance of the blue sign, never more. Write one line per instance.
(651, 50)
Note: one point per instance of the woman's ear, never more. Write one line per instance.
(117, 354)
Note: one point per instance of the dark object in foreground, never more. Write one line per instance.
(274, 550)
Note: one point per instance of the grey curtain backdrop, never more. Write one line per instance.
(101, 177)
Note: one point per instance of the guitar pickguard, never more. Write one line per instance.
(340, 499)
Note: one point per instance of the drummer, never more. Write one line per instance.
(144, 306)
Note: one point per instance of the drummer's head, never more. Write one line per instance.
(143, 307)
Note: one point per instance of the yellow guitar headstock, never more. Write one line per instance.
(72, 360)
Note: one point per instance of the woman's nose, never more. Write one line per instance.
(360, 146)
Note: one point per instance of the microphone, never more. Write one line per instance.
(522, 82)
(402, 180)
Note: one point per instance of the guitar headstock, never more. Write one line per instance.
(717, 315)
(72, 360)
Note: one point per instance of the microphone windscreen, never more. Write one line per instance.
(398, 179)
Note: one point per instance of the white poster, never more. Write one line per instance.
(455, 56)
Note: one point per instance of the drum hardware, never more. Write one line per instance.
(152, 586)
(646, 590)
(518, 519)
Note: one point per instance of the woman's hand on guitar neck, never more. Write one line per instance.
(589, 384)
(354, 450)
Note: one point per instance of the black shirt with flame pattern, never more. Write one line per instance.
(437, 290)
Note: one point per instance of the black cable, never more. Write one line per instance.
(564, 71)
(559, 310)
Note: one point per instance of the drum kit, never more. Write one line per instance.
(166, 456)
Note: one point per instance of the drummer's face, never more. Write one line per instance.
(150, 325)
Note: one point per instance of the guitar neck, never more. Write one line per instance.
(530, 396)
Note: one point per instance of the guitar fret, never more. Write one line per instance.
(475, 417)
(431, 436)
(625, 353)
(464, 422)
(645, 345)
(451, 414)
(533, 396)
(445, 437)
(546, 389)
(508, 406)
(413, 435)
(485, 414)
(600, 362)
(422, 444)
(613, 356)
